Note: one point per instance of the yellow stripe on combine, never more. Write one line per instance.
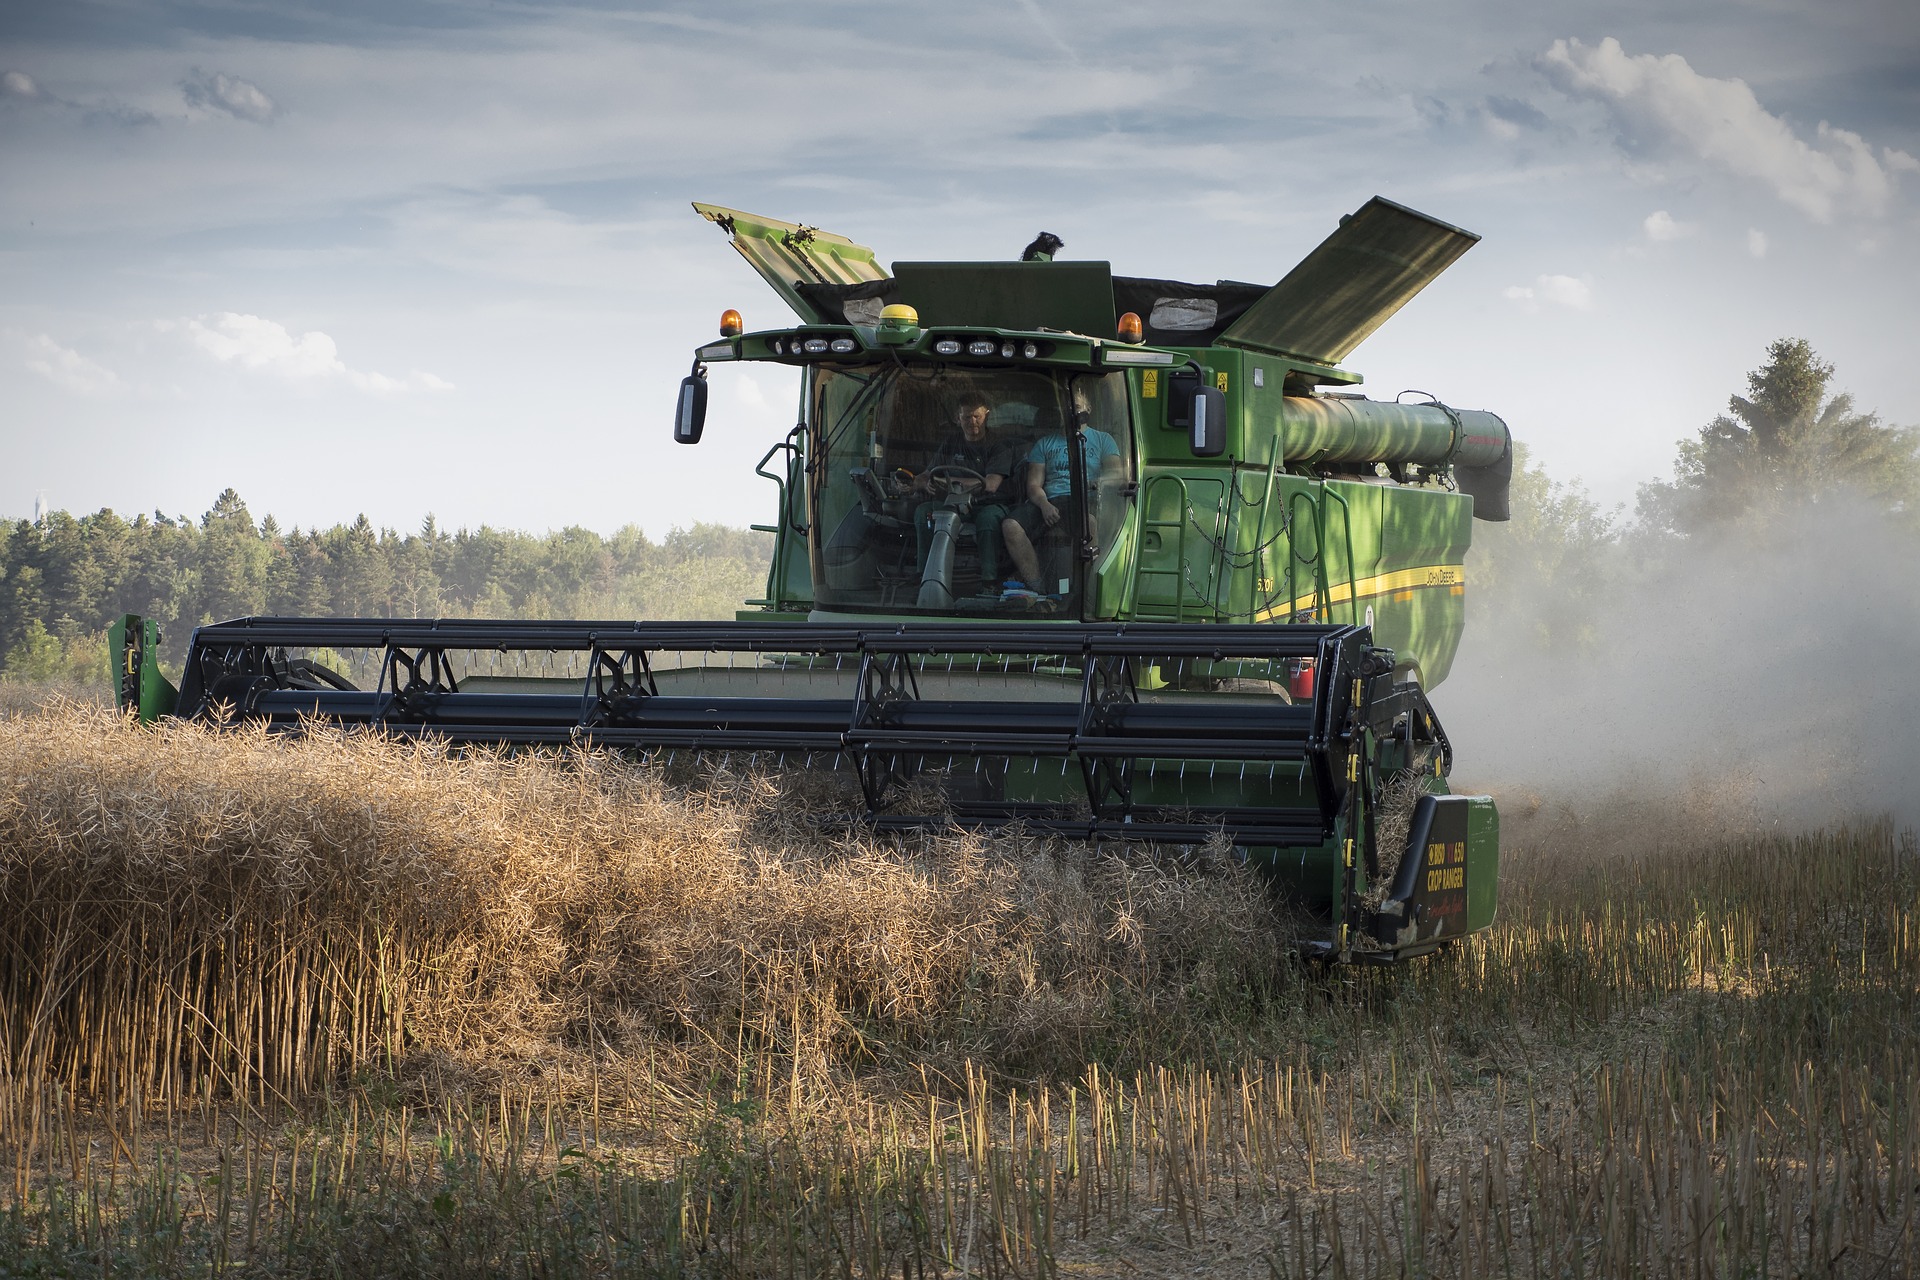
(1401, 583)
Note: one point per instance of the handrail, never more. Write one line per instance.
(777, 569)
(1346, 523)
(784, 483)
(1179, 571)
(1259, 532)
(1315, 562)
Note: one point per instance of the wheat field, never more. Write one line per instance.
(342, 1006)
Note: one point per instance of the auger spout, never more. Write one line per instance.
(1349, 429)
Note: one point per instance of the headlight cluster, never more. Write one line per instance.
(800, 344)
(1005, 348)
(796, 346)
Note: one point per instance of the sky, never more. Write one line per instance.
(417, 257)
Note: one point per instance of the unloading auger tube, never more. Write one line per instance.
(1097, 739)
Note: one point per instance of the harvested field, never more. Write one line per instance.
(343, 1006)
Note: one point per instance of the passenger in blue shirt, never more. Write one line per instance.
(1051, 500)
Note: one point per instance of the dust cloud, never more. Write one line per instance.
(1766, 679)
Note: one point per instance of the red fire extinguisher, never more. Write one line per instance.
(1300, 680)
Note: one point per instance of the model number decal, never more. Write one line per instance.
(1446, 865)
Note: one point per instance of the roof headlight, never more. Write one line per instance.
(1006, 351)
(1031, 350)
(980, 347)
(816, 346)
(947, 347)
(841, 346)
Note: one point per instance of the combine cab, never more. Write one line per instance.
(1108, 557)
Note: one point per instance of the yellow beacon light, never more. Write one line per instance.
(731, 325)
(1130, 328)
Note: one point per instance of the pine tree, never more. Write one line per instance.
(1786, 440)
(233, 560)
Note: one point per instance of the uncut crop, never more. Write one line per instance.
(193, 912)
(337, 1006)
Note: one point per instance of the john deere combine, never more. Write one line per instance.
(1110, 557)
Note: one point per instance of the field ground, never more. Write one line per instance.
(341, 1007)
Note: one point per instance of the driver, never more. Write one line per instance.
(968, 448)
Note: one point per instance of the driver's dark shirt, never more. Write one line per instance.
(989, 457)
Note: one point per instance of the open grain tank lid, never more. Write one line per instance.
(793, 258)
(1369, 268)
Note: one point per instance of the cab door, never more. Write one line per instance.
(1107, 484)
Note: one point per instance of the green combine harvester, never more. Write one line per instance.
(1108, 557)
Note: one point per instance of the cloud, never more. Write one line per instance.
(67, 368)
(18, 85)
(1572, 292)
(254, 342)
(240, 99)
(1662, 103)
(1661, 227)
(262, 344)
(1505, 118)
(1756, 242)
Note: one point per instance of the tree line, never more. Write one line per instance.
(65, 578)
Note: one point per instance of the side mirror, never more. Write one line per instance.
(690, 414)
(1209, 429)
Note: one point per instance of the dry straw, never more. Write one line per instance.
(192, 912)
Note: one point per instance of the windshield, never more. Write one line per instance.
(956, 492)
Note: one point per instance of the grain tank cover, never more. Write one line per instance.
(1352, 284)
(789, 256)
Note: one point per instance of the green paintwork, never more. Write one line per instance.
(141, 688)
(1074, 296)
(1483, 861)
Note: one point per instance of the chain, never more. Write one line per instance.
(1238, 559)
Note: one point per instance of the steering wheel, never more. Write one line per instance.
(949, 475)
